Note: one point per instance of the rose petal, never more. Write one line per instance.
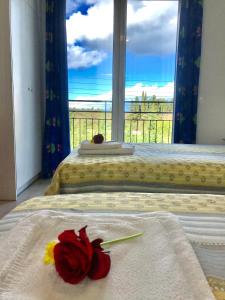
(96, 244)
(67, 236)
(86, 242)
(100, 265)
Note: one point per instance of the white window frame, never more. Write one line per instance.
(119, 57)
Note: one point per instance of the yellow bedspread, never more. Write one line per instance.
(193, 205)
(142, 202)
(152, 166)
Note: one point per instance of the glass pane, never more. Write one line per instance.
(90, 46)
(150, 70)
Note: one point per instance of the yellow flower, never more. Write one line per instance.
(49, 253)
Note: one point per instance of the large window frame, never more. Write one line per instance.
(125, 114)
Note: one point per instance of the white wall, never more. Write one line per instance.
(27, 68)
(211, 110)
(7, 158)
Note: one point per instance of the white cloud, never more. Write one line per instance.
(78, 57)
(166, 91)
(150, 11)
(151, 27)
(97, 24)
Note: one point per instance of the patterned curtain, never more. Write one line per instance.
(187, 73)
(56, 144)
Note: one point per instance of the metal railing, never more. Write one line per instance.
(145, 121)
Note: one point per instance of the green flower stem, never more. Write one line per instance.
(126, 238)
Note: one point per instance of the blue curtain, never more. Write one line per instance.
(187, 71)
(56, 145)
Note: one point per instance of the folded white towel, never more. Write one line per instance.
(161, 265)
(86, 145)
(124, 150)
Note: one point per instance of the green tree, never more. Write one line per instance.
(136, 109)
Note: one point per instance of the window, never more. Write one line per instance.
(121, 66)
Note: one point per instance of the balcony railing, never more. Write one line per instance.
(145, 121)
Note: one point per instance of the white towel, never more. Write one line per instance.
(124, 150)
(86, 145)
(160, 265)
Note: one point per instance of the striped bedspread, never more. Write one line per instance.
(153, 168)
(202, 217)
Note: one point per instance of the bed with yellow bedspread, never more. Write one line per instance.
(152, 168)
(202, 217)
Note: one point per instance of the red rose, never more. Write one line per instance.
(76, 257)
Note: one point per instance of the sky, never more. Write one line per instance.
(150, 48)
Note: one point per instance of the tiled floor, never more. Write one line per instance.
(36, 189)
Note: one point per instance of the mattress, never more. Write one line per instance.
(152, 168)
(202, 217)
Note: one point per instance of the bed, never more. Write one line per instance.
(202, 217)
(152, 168)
